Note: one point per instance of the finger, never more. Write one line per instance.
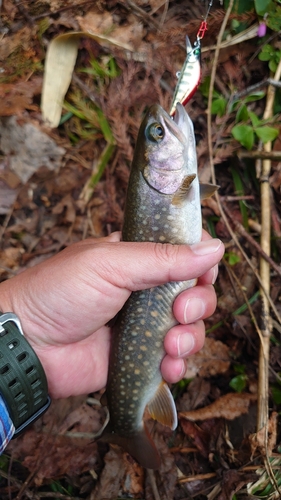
(142, 265)
(183, 340)
(209, 278)
(180, 342)
(173, 370)
(195, 303)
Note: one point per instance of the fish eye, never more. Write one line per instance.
(155, 132)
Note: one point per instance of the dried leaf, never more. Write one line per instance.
(28, 148)
(265, 439)
(210, 361)
(7, 197)
(14, 98)
(229, 406)
(59, 65)
(111, 477)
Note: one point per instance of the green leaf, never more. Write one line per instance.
(240, 369)
(232, 258)
(219, 106)
(272, 65)
(276, 394)
(266, 134)
(254, 119)
(259, 94)
(244, 134)
(242, 114)
(274, 19)
(238, 383)
(205, 86)
(267, 53)
(262, 6)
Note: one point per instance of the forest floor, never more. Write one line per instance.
(61, 185)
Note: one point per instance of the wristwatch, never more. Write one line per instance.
(23, 383)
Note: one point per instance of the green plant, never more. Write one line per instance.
(239, 382)
(246, 133)
(102, 71)
(270, 54)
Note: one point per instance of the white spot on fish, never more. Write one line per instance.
(162, 238)
(155, 228)
(157, 216)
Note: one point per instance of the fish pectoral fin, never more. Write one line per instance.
(207, 190)
(162, 407)
(181, 193)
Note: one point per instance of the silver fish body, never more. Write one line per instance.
(163, 205)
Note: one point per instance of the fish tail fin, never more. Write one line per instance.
(139, 445)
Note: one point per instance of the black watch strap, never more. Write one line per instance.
(23, 383)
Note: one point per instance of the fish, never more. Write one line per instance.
(162, 205)
(190, 75)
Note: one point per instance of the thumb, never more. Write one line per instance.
(137, 266)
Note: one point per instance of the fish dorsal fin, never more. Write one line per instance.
(207, 190)
(162, 407)
(181, 192)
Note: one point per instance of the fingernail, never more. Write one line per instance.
(215, 274)
(185, 344)
(194, 309)
(205, 247)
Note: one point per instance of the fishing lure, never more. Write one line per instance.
(189, 76)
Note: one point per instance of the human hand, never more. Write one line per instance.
(65, 303)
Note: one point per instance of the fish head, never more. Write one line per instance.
(165, 150)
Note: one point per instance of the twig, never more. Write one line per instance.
(84, 87)
(253, 242)
(151, 475)
(252, 88)
(18, 484)
(197, 477)
(262, 417)
(130, 5)
(263, 155)
(22, 10)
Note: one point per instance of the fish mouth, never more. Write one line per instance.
(179, 125)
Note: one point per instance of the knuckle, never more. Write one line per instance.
(167, 253)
